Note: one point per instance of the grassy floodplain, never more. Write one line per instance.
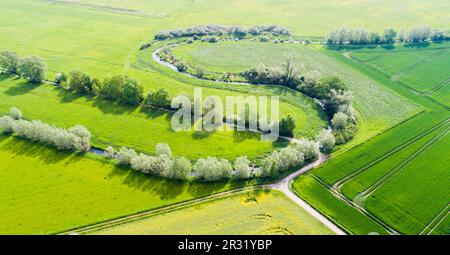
(399, 176)
(373, 101)
(255, 212)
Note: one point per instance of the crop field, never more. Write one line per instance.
(423, 69)
(65, 191)
(401, 184)
(255, 212)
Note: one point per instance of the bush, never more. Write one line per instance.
(181, 66)
(181, 168)
(346, 134)
(326, 141)
(125, 156)
(76, 138)
(9, 61)
(287, 126)
(132, 92)
(159, 99)
(61, 78)
(281, 161)
(122, 88)
(242, 167)
(163, 149)
(212, 169)
(33, 68)
(80, 82)
(340, 120)
(110, 152)
(309, 149)
(15, 113)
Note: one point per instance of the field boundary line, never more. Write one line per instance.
(419, 63)
(155, 211)
(338, 184)
(360, 209)
(399, 167)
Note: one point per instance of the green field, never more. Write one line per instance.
(399, 177)
(391, 178)
(45, 191)
(423, 69)
(252, 213)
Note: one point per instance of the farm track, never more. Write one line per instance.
(338, 185)
(396, 74)
(440, 217)
(386, 177)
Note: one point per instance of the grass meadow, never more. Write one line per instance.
(399, 94)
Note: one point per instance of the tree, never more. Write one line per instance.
(125, 155)
(326, 84)
(132, 92)
(15, 113)
(374, 38)
(389, 36)
(291, 71)
(112, 87)
(80, 82)
(338, 99)
(437, 36)
(309, 149)
(212, 169)
(160, 99)
(287, 126)
(9, 61)
(326, 141)
(242, 167)
(340, 120)
(110, 152)
(163, 149)
(33, 68)
(60, 78)
(181, 168)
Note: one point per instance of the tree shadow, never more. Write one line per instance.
(240, 136)
(417, 45)
(49, 155)
(67, 96)
(21, 88)
(112, 107)
(5, 76)
(198, 135)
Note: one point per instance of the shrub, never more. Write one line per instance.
(309, 149)
(110, 152)
(437, 36)
(346, 134)
(125, 155)
(159, 99)
(181, 66)
(123, 88)
(76, 138)
(287, 126)
(282, 160)
(181, 168)
(389, 36)
(15, 113)
(9, 61)
(340, 120)
(60, 78)
(80, 82)
(163, 149)
(132, 92)
(33, 68)
(212, 169)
